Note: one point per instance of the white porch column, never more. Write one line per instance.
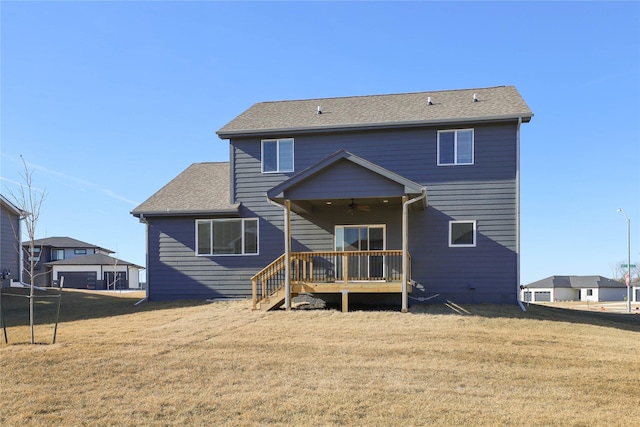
(287, 254)
(405, 252)
(405, 247)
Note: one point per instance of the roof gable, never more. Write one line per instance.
(375, 111)
(11, 207)
(320, 181)
(202, 188)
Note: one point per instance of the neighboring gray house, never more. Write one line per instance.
(84, 265)
(10, 231)
(95, 271)
(574, 288)
(379, 196)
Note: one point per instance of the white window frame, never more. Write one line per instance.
(278, 169)
(455, 147)
(242, 234)
(475, 233)
(368, 226)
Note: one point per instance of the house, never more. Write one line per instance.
(10, 231)
(370, 197)
(574, 288)
(83, 265)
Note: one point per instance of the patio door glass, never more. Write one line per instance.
(357, 238)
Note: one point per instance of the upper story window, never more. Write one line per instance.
(462, 234)
(35, 256)
(57, 254)
(455, 147)
(79, 251)
(277, 155)
(236, 236)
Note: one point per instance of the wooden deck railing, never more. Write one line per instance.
(329, 267)
(351, 266)
(268, 280)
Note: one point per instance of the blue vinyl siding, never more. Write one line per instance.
(177, 273)
(484, 192)
(10, 243)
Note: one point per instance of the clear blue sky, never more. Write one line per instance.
(109, 101)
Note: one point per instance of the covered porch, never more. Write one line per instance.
(361, 210)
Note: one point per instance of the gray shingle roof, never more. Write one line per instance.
(93, 259)
(200, 189)
(65, 243)
(577, 282)
(494, 103)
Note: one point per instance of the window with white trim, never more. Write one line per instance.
(462, 234)
(229, 236)
(277, 155)
(455, 147)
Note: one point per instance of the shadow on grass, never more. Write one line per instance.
(77, 305)
(80, 305)
(628, 322)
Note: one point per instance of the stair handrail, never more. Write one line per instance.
(263, 275)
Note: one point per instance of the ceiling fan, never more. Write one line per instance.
(353, 206)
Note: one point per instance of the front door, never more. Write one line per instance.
(359, 238)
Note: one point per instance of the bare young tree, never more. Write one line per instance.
(28, 199)
(114, 282)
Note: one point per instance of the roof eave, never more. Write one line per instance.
(526, 118)
(169, 212)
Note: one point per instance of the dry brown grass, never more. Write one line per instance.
(193, 363)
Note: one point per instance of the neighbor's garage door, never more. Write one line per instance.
(79, 279)
(543, 296)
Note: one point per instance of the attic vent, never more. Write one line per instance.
(429, 101)
(319, 109)
(475, 98)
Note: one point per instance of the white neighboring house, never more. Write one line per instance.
(574, 288)
(84, 271)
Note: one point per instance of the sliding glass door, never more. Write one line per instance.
(358, 238)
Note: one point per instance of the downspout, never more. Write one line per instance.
(21, 267)
(518, 215)
(287, 253)
(405, 248)
(146, 256)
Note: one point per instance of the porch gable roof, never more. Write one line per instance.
(406, 186)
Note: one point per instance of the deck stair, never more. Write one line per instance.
(272, 301)
(268, 286)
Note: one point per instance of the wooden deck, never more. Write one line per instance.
(372, 287)
(330, 272)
